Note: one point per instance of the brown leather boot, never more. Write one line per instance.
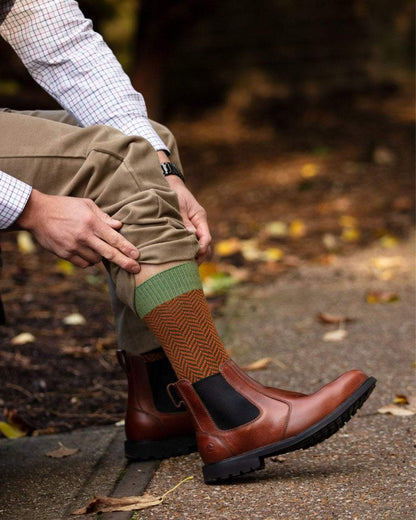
(239, 422)
(155, 428)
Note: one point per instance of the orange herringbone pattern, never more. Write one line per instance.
(185, 330)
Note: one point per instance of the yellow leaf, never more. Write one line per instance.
(387, 262)
(273, 254)
(388, 241)
(23, 338)
(350, 234)
(65, 267)
(260, 364)
(25, 243)
(276, 229)
(228, 247)
(10, 431)
(207, 269)
(297, 228)
(400, 399)
(381, 297)
(347, 221)
(309, 170)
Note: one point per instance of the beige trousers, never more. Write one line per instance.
(122, 175)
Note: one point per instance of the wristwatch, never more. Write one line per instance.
(170, 168)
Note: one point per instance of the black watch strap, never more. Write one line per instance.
(170, 168)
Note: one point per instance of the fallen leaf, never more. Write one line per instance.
(347, 221)
(331, 318)
(74, 319)
(218, 283)
(25, 242)
(23, 338)
(297, 228)
(131, 503)
(110, 504)
(207, 269)
(65, 267)
(335, 335)
(330, 242)
(350, 234)
(400, 399)
(387, 262)
(309, 170)
(260, 364)
(62, 452)
(394, 409)
(273, 254)
(381, 297)
(250, 250)
(388, 241)
(10, 431)
(276, 229)
(228, 247)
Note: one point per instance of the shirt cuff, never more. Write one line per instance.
(140, 126)
(14, 195)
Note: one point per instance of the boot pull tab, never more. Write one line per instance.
(173, 394)
(121, 357)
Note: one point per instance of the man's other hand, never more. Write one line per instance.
(193, 215)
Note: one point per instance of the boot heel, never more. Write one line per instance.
(163, 449)
(232, 467)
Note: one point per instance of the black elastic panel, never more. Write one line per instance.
(226, 406)
(161, 374)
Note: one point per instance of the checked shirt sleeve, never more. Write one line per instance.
(72, 63)
(14, 195)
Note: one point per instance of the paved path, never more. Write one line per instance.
(365, 472)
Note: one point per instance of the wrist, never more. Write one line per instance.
(27, 218)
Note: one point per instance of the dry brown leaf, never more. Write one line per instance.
(110, 504)
(333, 319)
(23, 338)
(260, 364)
(131, 503)
(394, 409)
(62, 452)
(335, 335)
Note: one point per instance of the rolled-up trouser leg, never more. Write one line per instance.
(121, 174)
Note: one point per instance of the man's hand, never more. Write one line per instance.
(77, 230)
(193, 215)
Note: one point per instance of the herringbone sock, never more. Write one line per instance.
(173, 305)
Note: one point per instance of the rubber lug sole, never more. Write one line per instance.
(325, 428)
(163, 449)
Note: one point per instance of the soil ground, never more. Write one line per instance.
(318, 165)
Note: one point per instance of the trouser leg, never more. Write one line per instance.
(121, 174)
(132, 333)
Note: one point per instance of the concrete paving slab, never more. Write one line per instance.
(37, 487)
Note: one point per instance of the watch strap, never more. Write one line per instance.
(170, 168)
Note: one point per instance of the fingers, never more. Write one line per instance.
(112, 246)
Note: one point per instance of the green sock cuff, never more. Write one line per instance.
(166, 286)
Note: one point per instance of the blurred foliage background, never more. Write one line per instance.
(188, 56)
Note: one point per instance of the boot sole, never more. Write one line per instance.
(163, 449)
(254, 459)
